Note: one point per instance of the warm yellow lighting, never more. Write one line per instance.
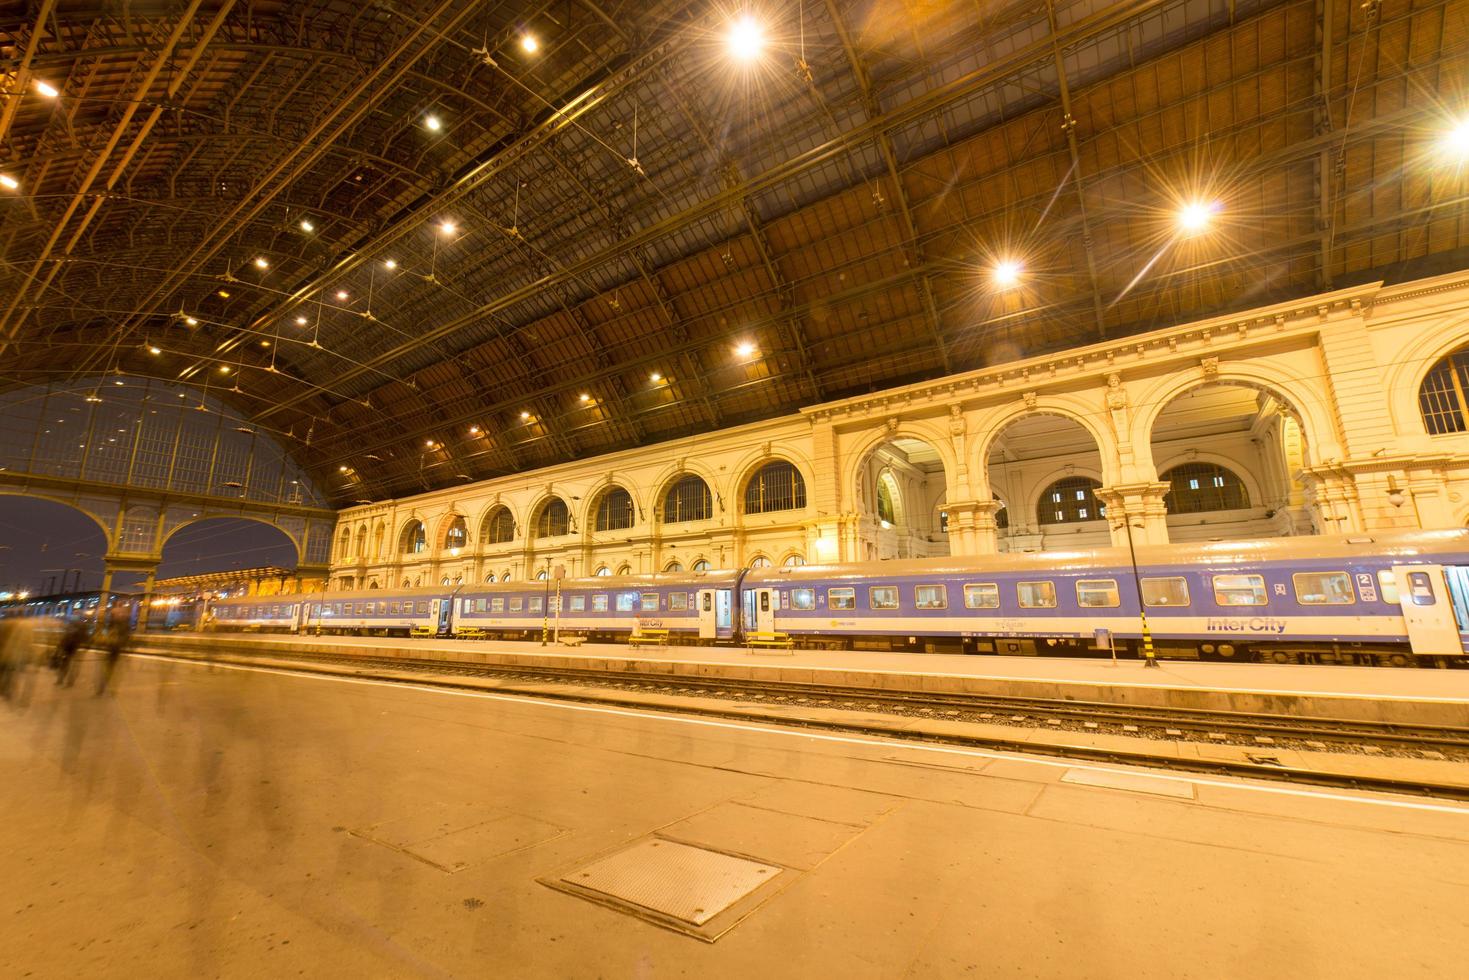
(9, 181)
(265, 343)
(154, 350)
(448, 227)
(584, 397)
(261, 262)
(342, 469)
(1196, 216)
(433, 123)
(341, 294)
(529, 44)
(300, 321)
(306, 225)
(429, 443)
(525, 416)
(46, 89)
(224, 369)
(1456, 141)
(1006, 273)
(474, 430)
(655, 377)
(746, 39)
(191, 321)
(223, 294)
(745, 349)
(390, 263)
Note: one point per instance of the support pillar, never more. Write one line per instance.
(1136, 504)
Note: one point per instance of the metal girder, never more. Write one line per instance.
(872, 105)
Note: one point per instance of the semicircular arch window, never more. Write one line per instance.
(414, 540)
(553, 520)
(776, 486)
(1197, 488)
(1070, 501)
(688, 500)
(499, 527)
(614, 510)
(1441, 397)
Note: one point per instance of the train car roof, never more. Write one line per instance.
(713, 577)
(1407, 544)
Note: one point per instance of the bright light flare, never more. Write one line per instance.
(655, 377)
(262, 263)
(1196, 216)
(10, 182)
(448, 227)
(1006, 273)
(433, 123)
(529, 43)
(1456, 141)
(342, 294)
(155, 350)
(390, 264)
(745, 349)
(584, 398)
(47, 89)
(306, 225)
(745, 39)
(301, 321)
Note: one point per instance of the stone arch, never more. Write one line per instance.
(754, 461)
(361, 549)
(1245, 474)
(344, 544)
(715, 500)
(1049, 478)
(1028, 450)
(531, 532)
(908, 466)
(452, 527)
(486, 538)
(379, 532)
(593, 500)
(675, 471)
(1068, 407)
(1310, 410)
(935, 434)
(372, 583)
(413, 538)
(1410, 367)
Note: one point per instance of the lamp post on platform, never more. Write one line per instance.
(1149, 658)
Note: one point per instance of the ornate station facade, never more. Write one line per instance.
(1340, 413)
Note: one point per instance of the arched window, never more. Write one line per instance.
(407, 584)
(1195, 488)
(490, 577)
(553, 520)
(444, 580)
(759, 561)
(498, 528)
(362, 541)
(602, 571)
(673, 566)
(414, 540)
(794, 561)
(505, 577)
(777, 486)
(377, 541)
(614, 510)
(542, 575)
(702, 565)
(624, 569)
(372, 584)
(344, 545)
(885, 510)
(1068, 501)
(457, 535)
(1441, 397)
(688, 500)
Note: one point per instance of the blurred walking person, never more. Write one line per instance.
(73, 635)
(17, 657)
(115, 639)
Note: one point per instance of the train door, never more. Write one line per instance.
(724, 613)
(707, 615)
(760, 606)
(1428, 610)
(445, 607)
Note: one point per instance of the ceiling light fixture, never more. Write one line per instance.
(390, 263)
(154, 350)
(745, 39)
(474, 430)
(525, 416)
(224, 369)
(301, 321)
(1456, 140)
(529, 44)
(745, 348)
(306, 225)
(46, 88)
(341, 294)
(261, 262)
(584, 397)
(429, 443)
(1006, 273)
(9, 181)
(1196, 216)
(448, 227)
(655, 377)
(223, 294)
(433, 123)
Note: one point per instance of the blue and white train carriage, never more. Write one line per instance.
(1358, 599)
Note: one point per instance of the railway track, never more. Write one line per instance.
(1260, 734)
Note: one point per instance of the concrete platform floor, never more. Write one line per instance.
(243, 823)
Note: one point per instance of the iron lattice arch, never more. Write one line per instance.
(614, 510)
(1198, 488)
(688, 500)
(1070, 501)
(777, 486)
(1441, 399)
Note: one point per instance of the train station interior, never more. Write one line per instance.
(601, 488)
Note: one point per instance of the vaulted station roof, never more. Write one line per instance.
(439, 241)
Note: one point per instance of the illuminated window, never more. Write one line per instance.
(688, 500)
(602, 570)
(1323, 588)
(457, 536)
(1069, 501)
(803, 598)
(702, 565)
(981, 595)
(1036, 595)
(1441, 399)
(759, 561)
(553, 520)
(1170, 591)
(1096, 593)
(1239, 590)
(414, 540)
(777, 486)
(794, 561)
(1195, 488)
(885, 509)
(673, 566)
(614, 510)
(931, 596)
(882, 597)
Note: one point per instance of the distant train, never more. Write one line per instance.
(1386, 599)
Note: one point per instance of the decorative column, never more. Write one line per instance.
(1138, 503)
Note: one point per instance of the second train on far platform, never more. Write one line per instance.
(1396, 599)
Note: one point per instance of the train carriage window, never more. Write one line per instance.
(841, 599)
(764, 600)
(931, 596)
(981, 595)
(497, 604)
(1097, 593)
(1239, 590)
(803, 598)
(625, 601)
(1387, 586)
(1036, 595)
(423, 607)
(1420, 589)
(1323, 588)
(394, 608)
(650, 602)
(535, 603)
(599, 603)
(516, 603)
(882, 597)
(1170, 591)
(678, 600)
(578, 603)
(466, 606)
(275, 611)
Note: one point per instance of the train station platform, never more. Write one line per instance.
(1418, 697)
